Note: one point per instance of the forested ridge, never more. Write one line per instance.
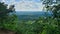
(43, 25)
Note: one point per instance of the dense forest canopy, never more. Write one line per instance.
(5, 17)
(43, 25)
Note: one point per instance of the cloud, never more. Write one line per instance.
(8, 1)
(26, 5)
(29, 6)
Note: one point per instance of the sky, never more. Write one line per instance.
(25, 5)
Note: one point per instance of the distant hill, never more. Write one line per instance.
(31, 15)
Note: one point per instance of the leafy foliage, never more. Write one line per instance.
(44, 25)
(7, 20)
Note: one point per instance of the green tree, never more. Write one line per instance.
(54, 7)
(8, 20)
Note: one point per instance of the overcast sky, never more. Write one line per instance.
(25, 5)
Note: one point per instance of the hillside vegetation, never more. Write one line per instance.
(43, 25)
